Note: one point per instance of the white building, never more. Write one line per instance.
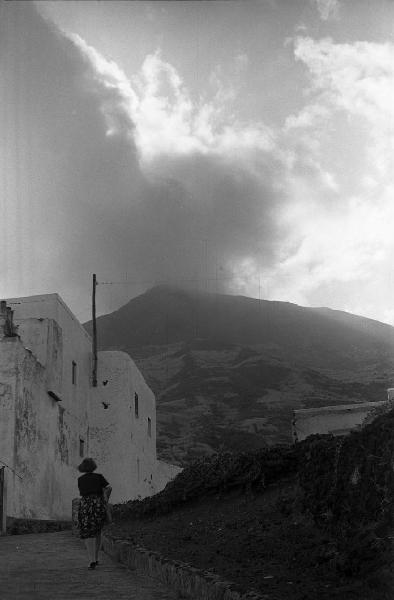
(335, 420)
(51, 416)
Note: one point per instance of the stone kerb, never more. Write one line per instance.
(179, 576)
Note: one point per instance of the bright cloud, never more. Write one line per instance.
(341, 240)
(169, 122)
(359, 80)
(163, 116)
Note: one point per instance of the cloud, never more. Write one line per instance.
(119, 175)
(111, 175)
(357, 79)
(241, 62)
(328, 9)
(341, 248)
(167, 121)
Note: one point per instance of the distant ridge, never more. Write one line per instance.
(228, 370)
(166, 314)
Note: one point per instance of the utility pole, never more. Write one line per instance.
(94, 337)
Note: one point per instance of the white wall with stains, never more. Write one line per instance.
(9, 350)
(38, 450)
(121, 440)
(51, 416)
(76, 346)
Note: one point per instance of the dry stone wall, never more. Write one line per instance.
(348, 488)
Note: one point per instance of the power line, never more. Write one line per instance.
(164, 281)
(27, 301)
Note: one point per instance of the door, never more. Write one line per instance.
(2, 503)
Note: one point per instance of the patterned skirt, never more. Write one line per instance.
(91, 516)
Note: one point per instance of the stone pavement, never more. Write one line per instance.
(53, 566)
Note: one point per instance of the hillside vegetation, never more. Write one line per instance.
(227, 371)
(216, 475)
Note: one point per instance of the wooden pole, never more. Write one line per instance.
(94, 338)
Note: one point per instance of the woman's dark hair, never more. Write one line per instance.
(87, 466)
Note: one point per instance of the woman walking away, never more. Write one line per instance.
(95, 492)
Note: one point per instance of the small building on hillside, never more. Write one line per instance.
(51, 416)
(336, 420)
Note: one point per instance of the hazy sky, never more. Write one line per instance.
(247, 146)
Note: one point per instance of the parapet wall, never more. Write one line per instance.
(335, 420)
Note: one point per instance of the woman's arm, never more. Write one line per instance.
(107, 492)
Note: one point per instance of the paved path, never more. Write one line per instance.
(53, 566)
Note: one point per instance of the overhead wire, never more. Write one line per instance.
(164, 281)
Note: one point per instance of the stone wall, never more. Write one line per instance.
(348, 487)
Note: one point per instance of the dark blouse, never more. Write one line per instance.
(91, 483)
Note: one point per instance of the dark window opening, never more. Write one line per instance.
(81, 448)
(149, 427)
(74, 372)
(136, 404)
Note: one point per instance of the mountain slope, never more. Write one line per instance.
(228, 370)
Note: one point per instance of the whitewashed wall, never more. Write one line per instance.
(9, 351)
(165, 472)
(119, 440)
(76, 347)
(337, 420)
(52, 339)
(39, 449)
(41, 433)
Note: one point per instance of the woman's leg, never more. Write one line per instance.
(90, 544)
(98, 546)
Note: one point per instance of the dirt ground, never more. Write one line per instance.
(260, 542)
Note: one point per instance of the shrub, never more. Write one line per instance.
(214, 475)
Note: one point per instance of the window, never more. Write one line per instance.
(136, 404)
(149, 427)
(74, 372)
(81, 447)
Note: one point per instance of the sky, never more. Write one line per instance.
(241, 147)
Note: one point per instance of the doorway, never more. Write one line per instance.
(2, 502)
